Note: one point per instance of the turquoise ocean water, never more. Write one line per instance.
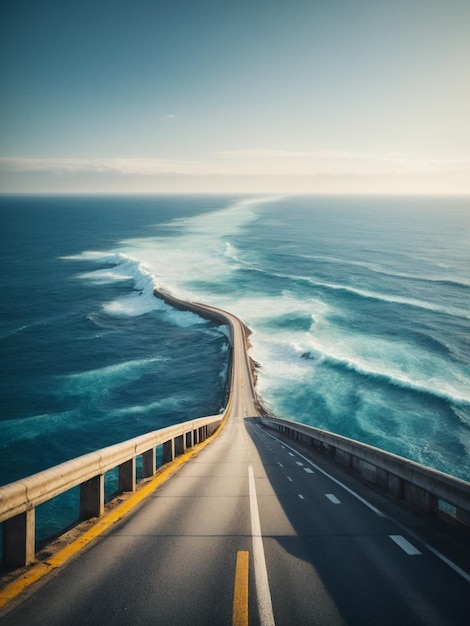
(359, 307)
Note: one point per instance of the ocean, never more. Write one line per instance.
(359, 309)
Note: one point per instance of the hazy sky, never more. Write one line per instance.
(247, 95)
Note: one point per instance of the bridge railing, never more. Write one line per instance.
(432, 491)
(18, 500)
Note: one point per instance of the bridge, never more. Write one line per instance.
(272, 523)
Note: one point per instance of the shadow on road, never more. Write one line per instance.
(337, 560)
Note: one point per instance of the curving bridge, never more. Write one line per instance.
(272, 523)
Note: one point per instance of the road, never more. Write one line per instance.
(243, 395)
(316, 553)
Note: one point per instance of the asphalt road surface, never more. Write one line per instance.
(317, 554)
(251, 531)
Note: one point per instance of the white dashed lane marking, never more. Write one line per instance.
(332, 498)
(308, 470)
(405, 545)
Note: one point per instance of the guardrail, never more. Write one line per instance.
(18, 500)
(432, 491)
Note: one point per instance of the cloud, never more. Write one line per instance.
(250, 169)
(253, 161)
(338, 162)
(116, 166)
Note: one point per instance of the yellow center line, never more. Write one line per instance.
(240, 590)
(38, 570)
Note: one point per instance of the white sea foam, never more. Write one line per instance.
(164, 404)
(383, 297)
(393, 299)
(203, 244)
(364, 293)
(96, 380)
(90, 255)
(397, 364)
(291, 357)
(464, 417)
(32, 426)
(430, 277)
(100, 277)
(131, 305)
(20, 329)
(198, 251)
(374, 295)
(198, 255)
(141, 300)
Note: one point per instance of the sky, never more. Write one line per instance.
(297, 96)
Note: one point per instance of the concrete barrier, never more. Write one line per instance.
(19, 500)
(432, 491)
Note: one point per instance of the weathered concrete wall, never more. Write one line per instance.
(429, 490)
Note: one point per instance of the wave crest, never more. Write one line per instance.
(141, 300)
(441, 389)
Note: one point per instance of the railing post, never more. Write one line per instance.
(189, 439)
(19, 545)
(127, 481)
(92, 497)
(179, 445)
(149, 465)
(168, 451)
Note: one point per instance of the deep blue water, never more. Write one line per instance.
(360, 311)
